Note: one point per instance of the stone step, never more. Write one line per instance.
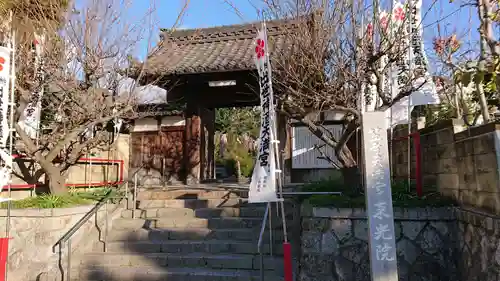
(255, 212)
(244, 212)
(192, 234)
(193, 260)
(189, 246)
(159, 212)
(170, 274)
(191, 194)
(191, 203)
(187, 223)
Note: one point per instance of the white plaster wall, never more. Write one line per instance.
(168, 121)
(145, 124)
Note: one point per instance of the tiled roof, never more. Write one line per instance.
(225, 48)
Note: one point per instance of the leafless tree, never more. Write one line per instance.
(80, 71)
(329, 56)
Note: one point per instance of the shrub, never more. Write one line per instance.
(236, 152)
(402, 196)
(49, 201)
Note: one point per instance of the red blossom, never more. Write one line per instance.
(2, 62)
(369, 29)
(259, 49)
(384, 22)
(399, 14)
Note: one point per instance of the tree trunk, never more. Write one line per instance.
(56, 181)
(482, 102)
(352, 179)
(350, 169)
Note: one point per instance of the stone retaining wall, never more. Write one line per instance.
(441, 244)
(335, 244)
(478, 246)
(35, 231)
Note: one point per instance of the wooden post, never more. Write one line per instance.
(192, 145)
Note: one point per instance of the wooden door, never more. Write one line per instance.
(159, 154)
(172, 139)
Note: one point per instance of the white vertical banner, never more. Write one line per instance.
(30, 120)
(399, 72)
(7, 81)
(412, 69)
(263, 183)
(5, 60)
(426, 92)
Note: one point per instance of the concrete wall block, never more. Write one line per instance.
(430, 139)
(469, 146)
(427, 169)
(469, 165)
(401, 171)
(460, 149)
(429, 180)
(451, 193)
(446, 165)
(461, 163)
(446, 151)
(445, 136)
(485, 162)
(484, 143)
(448, 181)
(487, 181)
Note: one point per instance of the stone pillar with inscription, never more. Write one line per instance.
(379, 210)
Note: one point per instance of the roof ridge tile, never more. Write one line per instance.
(206, 50)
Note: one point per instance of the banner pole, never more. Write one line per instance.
(410, 49)
(4, 244)
(287, 247)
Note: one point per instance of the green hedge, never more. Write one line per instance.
(72, 199)
(402, 196)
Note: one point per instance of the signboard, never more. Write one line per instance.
(383, 262)
(263, 184)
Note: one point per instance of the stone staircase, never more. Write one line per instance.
(187, 235)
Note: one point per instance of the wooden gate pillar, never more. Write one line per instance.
(207, 143)
(192, 146)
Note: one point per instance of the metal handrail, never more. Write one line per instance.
(312, 193)
(262, 229)
(66, 238)
(267, 214)
(83, 220)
